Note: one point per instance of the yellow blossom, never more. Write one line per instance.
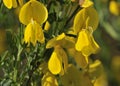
(57, 60)
(114, 7)
(49, 80)
(69, 44)
(86, 43)
(33, 33)
(12, 3)
(62, 40)
(81, 60)
(35, 10)
(33, 18)
(97, 74)
(86, 17)
(74, 77)
(86, 3)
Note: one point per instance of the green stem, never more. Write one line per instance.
(17, 63)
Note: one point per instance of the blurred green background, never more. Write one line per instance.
(108, 37)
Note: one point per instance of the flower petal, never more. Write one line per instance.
(87, 17)
(86, 3)
(33, 33)
(14, 3)
(29, 11)
(8, 3)
(86, 43)
(54, 64)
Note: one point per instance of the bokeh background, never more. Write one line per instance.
(108, 37)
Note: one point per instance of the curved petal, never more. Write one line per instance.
(8, 3)
(29, 11)
(33, 33)
(14, 3)
(87, 3)
(54, 64)
(87, 17)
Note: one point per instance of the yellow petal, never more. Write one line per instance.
(82, 41)
(114, 8)
(86, 43)
(87, 17)
(62, 40)
(27, 33)
(54, 64)
(92, 18)
(55, 41)
(29, 11)
(79, 20)
(49, 80)
(33, 33)
(8, 3)
(14, 3)
(47, 26)
(81, 61)
(87, 3)
(51, 43)
(39, 33)
(62, 54)
(61, 36)
(74, 77)
(20, 2)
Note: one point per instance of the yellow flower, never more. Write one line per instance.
(85, 3)
(33, 33)
(87, 17)
(57, 60)
(97, 74)
(74, 77)
(81, 61)
(95, 69)
(114, 8)
(33, 10)
(62, 40)
(33, 18)
(69, 44)
(12, 3)
(49, 80)
(86, 43)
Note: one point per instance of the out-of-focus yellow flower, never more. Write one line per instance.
(29, 11)
(87, 17)
(115, 66)
(85, 3)
(86, 43)
(49, 80)
(97, 73)
(12, 3)
(74, 77)
(57, 60)
(96, 69)
(101, 81)
(3, 44)
(114, 7)
(33, 33)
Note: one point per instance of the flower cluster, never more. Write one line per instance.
(70, 44)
